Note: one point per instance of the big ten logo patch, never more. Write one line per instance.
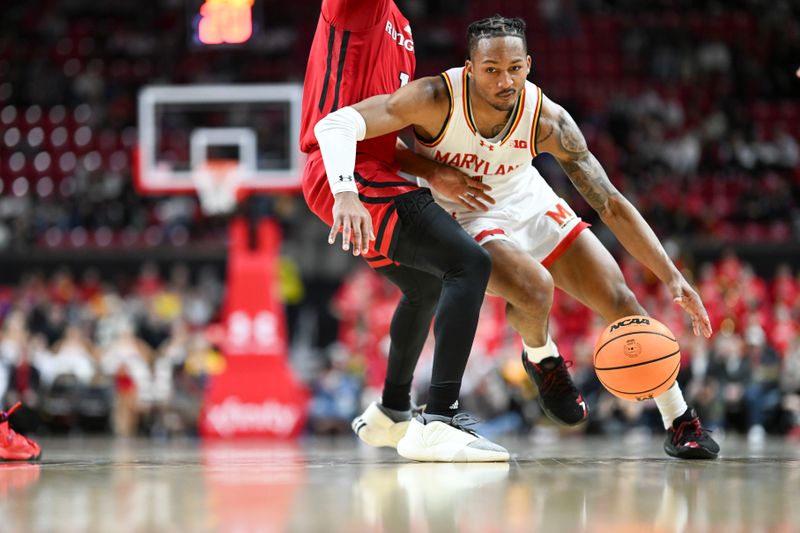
(520, 143)
(562, 214)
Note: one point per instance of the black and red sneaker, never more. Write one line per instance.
(687, 439)
(558, 395)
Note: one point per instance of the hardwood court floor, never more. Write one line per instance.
(574, 484)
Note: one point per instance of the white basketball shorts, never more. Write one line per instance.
(543, 228)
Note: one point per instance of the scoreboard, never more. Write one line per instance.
(224, 22)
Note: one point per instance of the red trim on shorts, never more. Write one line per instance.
(375, 260)
(380, 192)
(382, 263)
(562, 246)
(384, 247)
(485, 233)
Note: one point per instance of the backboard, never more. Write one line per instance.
(185, 129)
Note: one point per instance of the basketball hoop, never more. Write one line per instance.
(217, 182)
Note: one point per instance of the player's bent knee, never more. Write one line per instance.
(535, 297)
(525, 285)
(429, 292)
(471, 260)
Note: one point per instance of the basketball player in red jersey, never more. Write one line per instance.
(489, 121)
(363, 48)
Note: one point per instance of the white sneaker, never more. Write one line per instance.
(376, 428)
(440, 438)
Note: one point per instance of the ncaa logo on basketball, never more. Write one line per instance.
(630, 322)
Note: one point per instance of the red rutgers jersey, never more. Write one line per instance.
(361, 48)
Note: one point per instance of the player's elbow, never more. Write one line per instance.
(328, 123)
(346, 122)
(394, 107)
(613, 207)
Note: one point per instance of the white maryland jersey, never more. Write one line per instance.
(504, 163)
(527, 211)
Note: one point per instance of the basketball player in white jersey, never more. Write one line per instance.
(488, 121)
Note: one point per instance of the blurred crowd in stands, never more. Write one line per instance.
(690, 105)
(84, 354)
(132, 357)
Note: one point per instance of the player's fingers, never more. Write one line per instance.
(357, 236)
(368, 236)
(346, 234)
(337, 224)
(705, 325)
(680, 300)
(483, 197)
(474, 203)
(700, 314)
(477, 203)
(464, 203)
(362, 237)
(477, 184)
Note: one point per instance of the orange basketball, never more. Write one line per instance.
(637, 358)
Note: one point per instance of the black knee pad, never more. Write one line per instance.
(411, 205)
(428, 292)
(473, 261)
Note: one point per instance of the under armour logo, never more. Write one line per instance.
(343, 179)
(454, 405)
(487, 145)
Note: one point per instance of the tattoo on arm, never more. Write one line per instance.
(545, 131)
(569, 136)
(582, 167)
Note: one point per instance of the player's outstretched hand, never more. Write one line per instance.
(684, 295)
(351, 217)
(459, 187)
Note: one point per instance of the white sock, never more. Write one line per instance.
(671, 405)
(535, 355)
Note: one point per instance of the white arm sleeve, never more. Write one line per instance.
(337, 135)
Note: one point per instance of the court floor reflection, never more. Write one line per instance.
(336, 485)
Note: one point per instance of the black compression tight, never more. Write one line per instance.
(434, 252)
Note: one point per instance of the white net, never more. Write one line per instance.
(217, 182)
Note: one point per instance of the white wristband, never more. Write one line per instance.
(337, 135)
